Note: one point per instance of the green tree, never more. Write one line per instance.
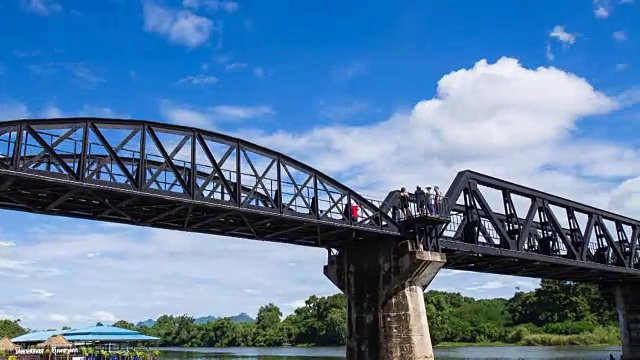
(556, 307)
(11, 328)
(268, 330)
(125, 325)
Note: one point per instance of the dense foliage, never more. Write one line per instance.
(557, 313)
(11, 328)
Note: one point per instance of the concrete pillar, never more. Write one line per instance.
(384, 282)
(628, 306)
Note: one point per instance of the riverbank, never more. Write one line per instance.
(601, 336)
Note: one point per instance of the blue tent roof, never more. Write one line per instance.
(113, 338)
(93, 333)
(110, 330)
(38, 336)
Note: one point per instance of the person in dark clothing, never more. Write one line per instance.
(404, 202)
(421, 200)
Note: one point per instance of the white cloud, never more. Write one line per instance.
(229, 112)
(227, 6)
(619, 36)
(342, 111)
(58, 318)
(602, 8)
(41, 294)
(564, 37)
(504, 282)
(549, 53)
(199, 80)
(204, 118)
(41, 7)
(104, 316)
(185, 116)
(517, 109)
(626, 1)
(52, 111)
(10, 111)
(5, 316)
(180, 26)
(7, 243)
(235, 66)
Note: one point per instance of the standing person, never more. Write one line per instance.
(438, 202)
(354, 211)
(404, 202)
(421, 200)
(429, 197)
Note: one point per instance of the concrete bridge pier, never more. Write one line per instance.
(628, 306)
(384, 282)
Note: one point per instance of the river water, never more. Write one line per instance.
(337, 353)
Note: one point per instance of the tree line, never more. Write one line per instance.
(556, 313)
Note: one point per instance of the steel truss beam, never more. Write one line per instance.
(548, 232)
(167, 176)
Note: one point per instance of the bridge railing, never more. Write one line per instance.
(600, 253)
(437, 208)
(101, 166)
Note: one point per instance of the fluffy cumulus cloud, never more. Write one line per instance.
(179, 26)
(499, 118)
(560, 34)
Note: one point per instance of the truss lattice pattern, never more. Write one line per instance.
(516, 230)
(173, 177)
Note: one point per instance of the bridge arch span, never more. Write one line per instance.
(175, 177)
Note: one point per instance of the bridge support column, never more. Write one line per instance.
(628, 306)
(384, 283)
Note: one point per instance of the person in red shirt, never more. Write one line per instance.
(354, 212)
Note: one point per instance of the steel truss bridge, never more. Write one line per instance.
(172, 177)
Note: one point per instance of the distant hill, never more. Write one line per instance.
(205, 319)
(240, 318)
(148, 323)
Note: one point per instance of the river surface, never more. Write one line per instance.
(337, 353)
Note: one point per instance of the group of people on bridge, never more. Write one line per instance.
(426, 202)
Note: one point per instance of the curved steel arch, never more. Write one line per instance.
(124, 171)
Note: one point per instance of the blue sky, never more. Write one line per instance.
(540, 93)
